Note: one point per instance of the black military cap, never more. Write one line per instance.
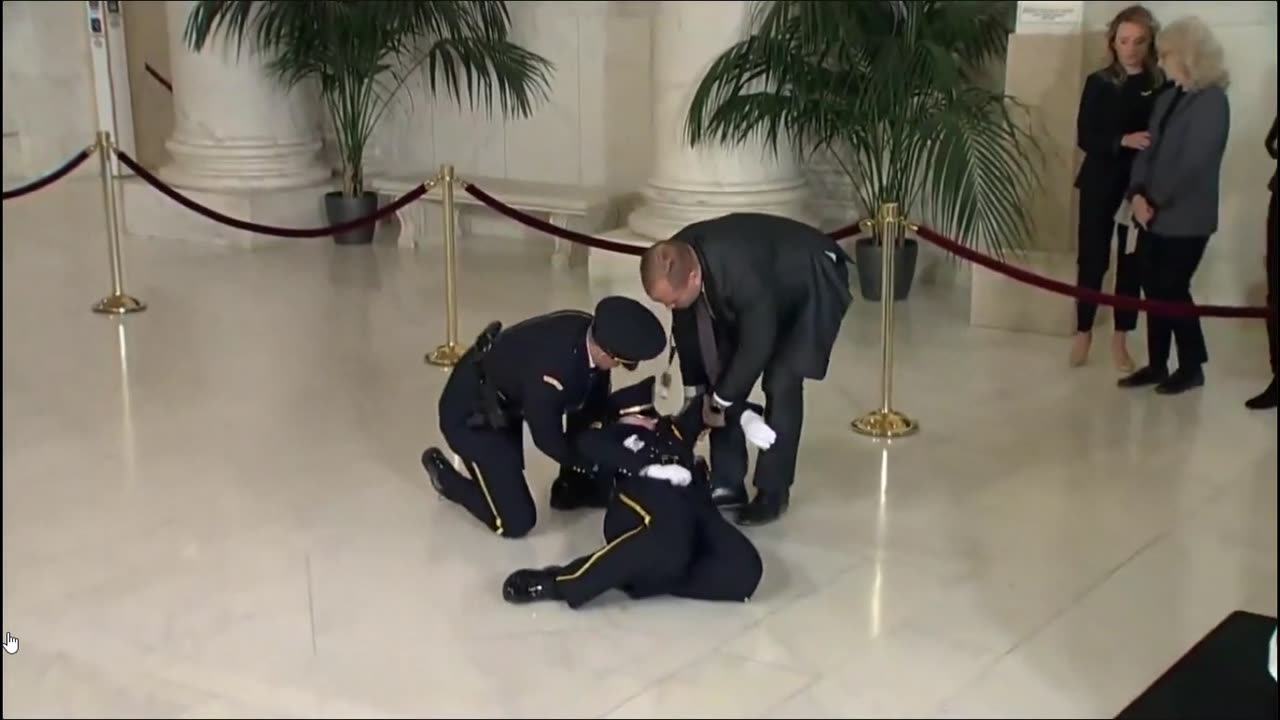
(634, 399)
(627, 330)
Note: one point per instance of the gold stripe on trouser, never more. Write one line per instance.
(479, 476)
(645, 519)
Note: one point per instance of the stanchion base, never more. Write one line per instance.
(885, 424)
(446, 355)
(119, 305)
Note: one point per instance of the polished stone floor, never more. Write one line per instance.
(215, 508)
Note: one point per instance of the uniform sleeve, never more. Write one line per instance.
(544, 406)
(1096, 130)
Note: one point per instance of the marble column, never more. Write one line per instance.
(1048, 58)
(235, 128)
(690, 184)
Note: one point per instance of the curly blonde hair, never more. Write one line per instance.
(1189, 41)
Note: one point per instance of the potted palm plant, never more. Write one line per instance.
(361, 54)
(892, 90)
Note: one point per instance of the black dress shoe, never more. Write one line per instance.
(1265, 401)
(1181, 381)
(1143, 377)
(434, 462)
(727, 497)
(526, 586)
(764, 508)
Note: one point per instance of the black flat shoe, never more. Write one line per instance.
(763, 509)
(1264, 401)
(526, 586)
(434, 462)
(1144, 377)
(1181, 381)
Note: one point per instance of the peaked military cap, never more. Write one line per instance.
(634, 399)
(628, 330)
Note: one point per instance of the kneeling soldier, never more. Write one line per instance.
(535, 372)
(664, 534)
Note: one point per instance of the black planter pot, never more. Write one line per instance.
(867, 254)
(339, 209)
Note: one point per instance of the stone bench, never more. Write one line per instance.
(582, 208)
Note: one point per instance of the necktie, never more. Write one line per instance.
(707, 341)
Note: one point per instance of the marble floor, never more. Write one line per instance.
(215, 509)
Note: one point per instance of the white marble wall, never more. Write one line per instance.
(1232, 270)
(48, 87)
(594, 130)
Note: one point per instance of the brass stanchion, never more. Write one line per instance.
(117, 303)
(448, 354)
(887, 422)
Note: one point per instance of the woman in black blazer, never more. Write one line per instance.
(1267, 399)
(1111, 127)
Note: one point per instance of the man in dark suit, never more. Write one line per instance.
(754, 297)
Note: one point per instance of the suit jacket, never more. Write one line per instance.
(1180, 172)
(778, 288)
(1109, 111)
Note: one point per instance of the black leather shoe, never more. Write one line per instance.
(526, 586)
(727, 497)
(573, 491)
(1181, 381)
(1143, 377)
(1265, 401)
(434, 462)
(764, 508)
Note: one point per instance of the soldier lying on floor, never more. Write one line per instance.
(663, 533)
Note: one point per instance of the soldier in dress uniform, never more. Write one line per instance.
(537, 372)
(664, 534)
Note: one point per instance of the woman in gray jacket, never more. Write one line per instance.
(1173, 189)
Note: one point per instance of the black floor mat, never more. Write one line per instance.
(1224, 677)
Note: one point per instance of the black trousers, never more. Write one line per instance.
(783, 411)
(494, 490)
(1273, 280)
(1167, 266)
(664, 540)
(1095, 229)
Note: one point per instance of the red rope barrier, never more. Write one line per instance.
(218, 217)
(155, 75)
(65, 169)
(589, 240)
(1158, 307)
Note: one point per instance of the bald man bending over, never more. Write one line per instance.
(753, 297)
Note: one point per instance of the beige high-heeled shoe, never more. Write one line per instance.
(1080, 349)
(1120, 353)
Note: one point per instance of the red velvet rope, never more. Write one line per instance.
(1158, 307)
(218, 217)
(589, 240)
(65, 169)
(155, 75)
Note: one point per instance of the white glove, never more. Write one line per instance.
(758, 433)
(675, 474)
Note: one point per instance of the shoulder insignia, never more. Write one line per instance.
(1147, 92)
(553, 382)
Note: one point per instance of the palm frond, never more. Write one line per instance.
(361, 54)
(890, 89)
